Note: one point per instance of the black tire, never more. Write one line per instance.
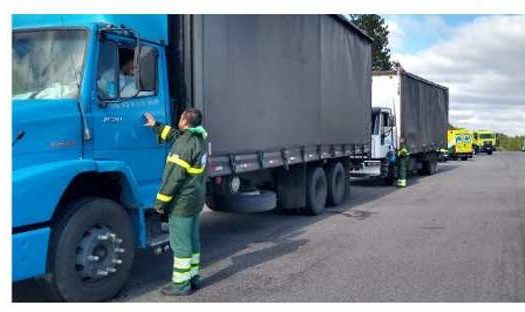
(248, 202)
(429, 167)
(316, 192)
(489, 152)
(336, 179)
(464, 158)
(433, 167)
(83, 220)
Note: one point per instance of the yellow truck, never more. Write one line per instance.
(460, 143)
(484, 141)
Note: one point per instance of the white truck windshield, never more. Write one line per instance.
(47, 64)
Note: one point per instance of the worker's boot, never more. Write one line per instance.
(195, 282)
(180, 282)
(173, 290)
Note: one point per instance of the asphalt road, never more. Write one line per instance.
(455, 236)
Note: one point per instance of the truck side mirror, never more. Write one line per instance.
(146, 68)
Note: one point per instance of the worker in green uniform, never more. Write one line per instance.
(402, 159)
(182, 194)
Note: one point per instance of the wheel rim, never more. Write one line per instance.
(99, 254)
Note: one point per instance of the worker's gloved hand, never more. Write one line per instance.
(159, 210)
(150, 120)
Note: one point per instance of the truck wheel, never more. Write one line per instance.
(429, 167)
(243, 202)
(489, 152)
(433, 167)
(316, 192)
(335, 176)
(91, 251)
(464, 158)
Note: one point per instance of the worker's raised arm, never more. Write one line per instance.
(165, 133)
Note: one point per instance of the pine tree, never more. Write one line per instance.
(375, 27)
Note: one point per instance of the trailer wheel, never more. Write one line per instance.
(91, 251)
(243, 202)
(430, 167)
(316, 191)
(335, 176)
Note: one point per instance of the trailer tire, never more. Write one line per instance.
(335, 176)
(244, 202)
(429, 167)
(316, 192)
(76, 237)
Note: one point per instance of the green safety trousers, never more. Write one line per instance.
(402, 171)
(185, 243)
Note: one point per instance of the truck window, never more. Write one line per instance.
(375, 123)
(47, 64)
(384, 116)
(467, 138)
(116, 68)
(107, 78)
(459, 139)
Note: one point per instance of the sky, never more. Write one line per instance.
(480, 58)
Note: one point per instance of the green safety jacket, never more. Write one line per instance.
(183, 187)
(403, 151)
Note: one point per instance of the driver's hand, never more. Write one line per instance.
(150, 120)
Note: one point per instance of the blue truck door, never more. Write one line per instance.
(119, 133)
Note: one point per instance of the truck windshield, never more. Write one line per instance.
(486, 136)
(47, 64)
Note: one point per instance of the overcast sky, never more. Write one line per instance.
(481, 59)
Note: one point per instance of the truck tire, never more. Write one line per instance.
(316, 192)
(335, 176)
(464, 158)
(429, 167)
(243, 202)
(91, 251)
(489, 152)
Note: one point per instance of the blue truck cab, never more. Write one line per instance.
(85, 169)
(275, 94)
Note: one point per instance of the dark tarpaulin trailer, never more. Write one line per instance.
(424, 113)
(280, 89)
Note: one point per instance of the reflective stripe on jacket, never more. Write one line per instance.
(403, 152)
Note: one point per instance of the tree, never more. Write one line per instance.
(375, 27)
(508, 143)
